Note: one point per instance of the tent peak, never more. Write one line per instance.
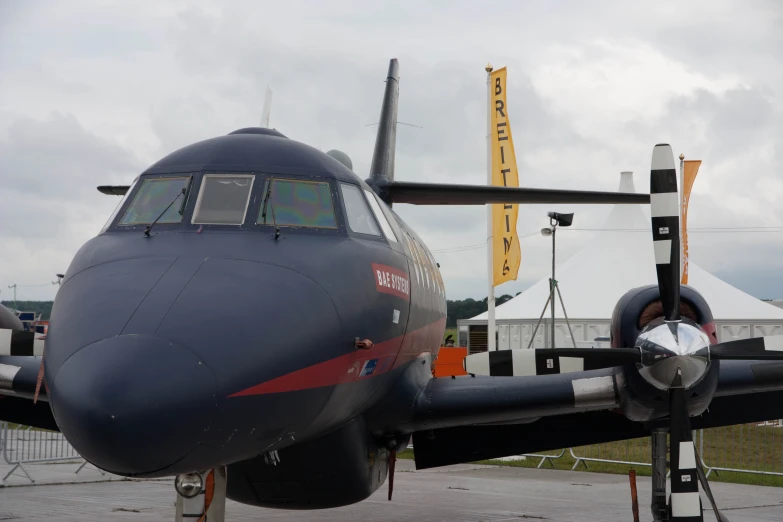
(626, 182)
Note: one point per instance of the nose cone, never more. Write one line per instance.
(669, 347)
(134, 404)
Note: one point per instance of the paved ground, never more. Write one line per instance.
(457, 493)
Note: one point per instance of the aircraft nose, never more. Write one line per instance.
(134, 404)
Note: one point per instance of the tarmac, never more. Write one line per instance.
(455, 493)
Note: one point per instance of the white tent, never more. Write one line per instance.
(620, 257)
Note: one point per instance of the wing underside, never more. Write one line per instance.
(18, 379)
(471, 418)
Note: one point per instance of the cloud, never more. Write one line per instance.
(48, 202)
(93, 93)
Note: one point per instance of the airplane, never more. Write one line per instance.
(256, 320)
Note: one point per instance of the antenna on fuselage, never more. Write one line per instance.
(382, 168)
(267, 108)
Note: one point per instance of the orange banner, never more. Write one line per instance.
(689, 171)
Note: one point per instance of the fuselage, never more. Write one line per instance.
(274, 302)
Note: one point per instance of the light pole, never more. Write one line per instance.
(14, 287)
(564, 220)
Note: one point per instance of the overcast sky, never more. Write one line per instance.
(94, 92)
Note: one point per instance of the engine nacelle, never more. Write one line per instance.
(639, 400)
(341, 468)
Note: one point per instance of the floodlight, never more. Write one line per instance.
(563, 220)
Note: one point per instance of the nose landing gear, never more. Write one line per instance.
(201, 497)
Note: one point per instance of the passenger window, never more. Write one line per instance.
(359, 217)
(297, 204)
(154, 196)
(380, 216)
(223, 199)
(422, 263)
(413, 257)
(438, 277)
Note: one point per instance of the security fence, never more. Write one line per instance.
(23, 445)
(745, 448)
(636, 452)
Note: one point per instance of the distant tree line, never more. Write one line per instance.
(39, 307)
(467, 308)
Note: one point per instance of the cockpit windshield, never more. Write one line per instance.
(153, 197)
(223, 199)
(297, 204)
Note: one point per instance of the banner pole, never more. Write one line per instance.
(491, 345)
(682, 216)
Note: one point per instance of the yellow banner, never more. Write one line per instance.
(506, 254)
(689, 171)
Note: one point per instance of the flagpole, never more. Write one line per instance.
(491, 347)
(682, 215)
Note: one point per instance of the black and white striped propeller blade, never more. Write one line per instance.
(686, 473)
(21, 342)
(547, 361)
(684, 502)
(665, 210)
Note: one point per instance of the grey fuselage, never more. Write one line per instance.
(206, 345)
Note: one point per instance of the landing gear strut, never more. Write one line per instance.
(201, 497)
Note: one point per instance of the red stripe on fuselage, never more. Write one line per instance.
(347, 368)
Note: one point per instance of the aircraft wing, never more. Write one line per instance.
(448, 194)
(464, 419)
(19, 375)
(18, 378)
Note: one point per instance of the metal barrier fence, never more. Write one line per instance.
(744, 448)
(545, 457)
(25, 445)
(636, 452)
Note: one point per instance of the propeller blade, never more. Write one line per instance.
(684, 502)
(21, 342)
(769, 348)
(665, 210)
(547, 361)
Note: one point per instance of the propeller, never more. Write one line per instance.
(671, 353)
(685, 464)
(769, 348)
(665, 211)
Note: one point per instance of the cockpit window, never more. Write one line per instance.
(380, 216)
(223, 199)
(119, 206)
(153, 197)
(359, 217)
(297, 204)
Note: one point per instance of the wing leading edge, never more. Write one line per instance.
(447, 194)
